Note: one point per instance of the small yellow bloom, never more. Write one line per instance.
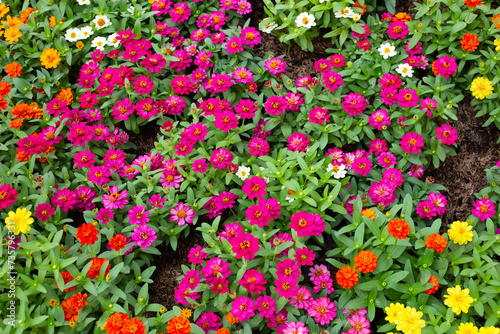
(394, 312)
(12, 34)
(19, 221)
(369, 213)
(458, 299)
(460, 233)
(50, 58)
(186, 313)
(467, 328)
(80, 45)
(410, 322)
(496, 42)
(489, 330)
(481, 88)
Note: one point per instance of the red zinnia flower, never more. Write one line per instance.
(398, 228)
(87, 234)
(435, 281)
(436, 242)
(366, 261)
(347, 277)
(67, 277)
(117, 242)
(95, 268)
(473, 3)
(469, 42)
(73, 305)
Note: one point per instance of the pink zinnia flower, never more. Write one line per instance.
(266, 306)
(156, 201)
(364, 44)
(288, 267)
(208, 321)
(115, 200)
(275, 65)
(258, 215)
(44, 211)
(258, 147)
(412, 142)
(8, 196)
(387, 159)
(255, 187)
(445, 66)
(286, 286)
(143, 236)
(243, 308)
(332, 80)
(245, 108)
(414, 50)
(389, 96)
(182, 214)
(253, 281)
(197, 255)
(250, 36)
(439, 202)
(446, 134)
(337, 60)
(407, 98)
(65, 199)
(226, 121)
(298, 142)
(181, 85)
(242, 75)
(245, 245)
(362, 166)
(378, 146)
(303, 223)
(234, 45)
(426, 209)
(319, 115)
(379, 119)
(484, 209)
(382, 192)
(301, 299)
(219, 285)
(354, 104)
(279, 239)
(304, 256)
(143, 85)
(323, 283)
(359, 324)
(180, 12)
(200, 166)
(416, 171)
(323, 310)
(105, 215)
(390, 81)
(275, 105)
(295, 328)
(428, 105)
(392, 176)
(398, 30)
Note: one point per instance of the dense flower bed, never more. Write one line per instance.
(309, 193)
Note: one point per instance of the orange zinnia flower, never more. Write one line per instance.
(67, 277)
(73, 305)
(65, 95)
(494, 19)
(231, 319)
(3, 103)
(179, 325)
(366, 261)
(3, 10)
(347, 277)
(469, 42)
(114, 323)
(12, 34)
(435, 281)
(222, 330)
(436, 242)
(401, 17)
(473, 3)
(135, 326)
(14, 69)
(13, 22)
(87, 234)
(26, 14)
(369, 213)
(358, 5)
(95, 268)
(117, 242)
(50, 58)
(398, 228)
(16, 123)
(4, 88)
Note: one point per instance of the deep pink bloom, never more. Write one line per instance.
(319, 115)
(208, 321)
(221, 158)
(8, 196)
(227, 199)
(200, 166)
(484, 208)
(219, 285)
(439, 202)
(64, 199)
(416, 171)
(364, 35)
(388, 95)
(246, 108)
(250, 36)
(182, 214)
(143, 85)
(446, 134)
(266, 306)
(414, 50)
(445, 66)
(318, 270)
(390, 81)
(323, 283)
(428, 105)
(378, 146)
(379, 119)
(44, 211)
(115, 199)
(242, 75)
(234, 45)
(275, 105)
(337, 60)
(407, 98)
(230, 231)
(226, 121)
(354, 104)
(181, 85)
(412, 142)
(426, 209)
(332, 80)
(214, 267)
(255, 187)
(243, 308)
(303, 223)
(304, 256)
(143, 236)
(180, 12)
(298, 142)
(218, 83)
(286, 286)
(253, 281)
(258, 147)
(258, 215)
(79, 134)
(359, 324)
(323, 310)
(382, 192)
(301, 299)
(245, 246)
(364, 44)
(279, 239)
(105, 215)
(288, 267)
(191, 279)
(397, 30)
(275, 65)
(392, 176)
(295, 327)
(156, 201)
(197, 255)
(362, 166)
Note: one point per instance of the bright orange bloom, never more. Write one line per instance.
(186, 313)
(87, 234)
(95, 268)
(3, 10)
(26, 111)
(133, 326)
(398, 228)
(117, 242)
(365, 261)
(50, 58)
(14, 69)
(469, 42)
(231, 319)
(473, 3)
(79, 45)
(223, 330)
(5, 88)
(436, 242)
(16, 123)
(369, 213)
(3, 103)
(47, 152)
(52, 21)
(347, 277)
(65, 95)
(435, 288)
(12, 34)
(67, 277)
(495, 19)
(114, 323)
(21, 156)
(52, 302)
(73, 305)
(358, 5)
(13, 22)
(26, 14)
(401, 17)
(179, 325)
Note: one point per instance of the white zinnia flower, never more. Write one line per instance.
(113, 41)
(387, 50)
(269, 27)
(131, 10)
(101, 21)
(405, 70)
(99, 43)
(288, 193)
(83, 2)
(321, 1)
(346, 12)
(305, 20)
(243, 172)
(73, 34)
(356, 17)
(86, 32)
(338, 171)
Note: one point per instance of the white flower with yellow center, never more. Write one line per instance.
(405, 70)
(345, 12)
(305, 20)
(101, 21)
(288, 193)
(269, 27)
(387, 50)
(131, 10)
(83, 2)
(338, 171)
(99, 43)
(113, 41)
(73, 34)
(86, 32)
(243, 172)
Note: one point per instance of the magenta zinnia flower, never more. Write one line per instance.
(197, 255)
(484, 209)
(354, 104)
(301, 299)
(295, 328)
(182, 214)
(304, 256)
(138, 215)
(255, 187)
(115, 200)
(243, 308)
(286, 286)
(254, 281)
(8, 196)
(323, 310)
(143, 236)
(65, 199)
(446, 134)
(266, 306)
(298, 142)
(398, 30)
(44, 211)
(245, 246)
(412, 142)
(359, 324)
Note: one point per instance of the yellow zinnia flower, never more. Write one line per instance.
(467, 328)
(458, 299)
(460, 232)
(496, 42)
(394, 312)
(3, 10)
(13, 22)
(19, 220)
(50, 58)
(481, 88)
(12, 34)
(409, 321)
(489, 330)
